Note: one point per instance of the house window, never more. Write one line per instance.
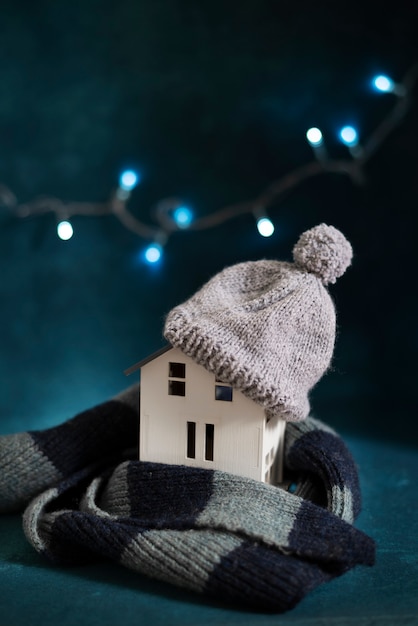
(209, 439)
(177, 370)
(191, 440)
(176, 379)
(176, 388)
(223, 391)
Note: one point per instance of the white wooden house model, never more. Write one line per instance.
(188, 417)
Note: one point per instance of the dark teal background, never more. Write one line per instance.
(211, 101)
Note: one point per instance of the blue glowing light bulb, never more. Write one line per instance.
(128, 180)
(265, 227)
(183, 216)
(153, 253)
(65, 230)
(314, 136)
(383, 83)
(349, 136)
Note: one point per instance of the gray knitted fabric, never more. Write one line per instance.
(268, 327)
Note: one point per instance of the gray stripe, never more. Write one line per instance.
(113, 501)
(342, 503)
(182, 558)
(25, 471)
(36, 522)
(253, 509)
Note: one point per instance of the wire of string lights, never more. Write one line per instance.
(171, 214)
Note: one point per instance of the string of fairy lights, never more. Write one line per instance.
(172, 214)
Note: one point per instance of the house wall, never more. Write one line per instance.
(241, 436)
(273, 447)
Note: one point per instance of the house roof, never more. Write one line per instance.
(151, 357)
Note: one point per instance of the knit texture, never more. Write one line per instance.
(323, 251)
(267, 327)
(238, 540)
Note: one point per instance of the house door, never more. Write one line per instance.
(200, 441)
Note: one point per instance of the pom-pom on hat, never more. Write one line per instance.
(324, 251)
(268, 327)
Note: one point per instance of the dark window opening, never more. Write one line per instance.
(176, 388)
(209, 439)
(177, 370)
(191, 440)
(223, 393)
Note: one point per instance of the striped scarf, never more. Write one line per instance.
(83, 494)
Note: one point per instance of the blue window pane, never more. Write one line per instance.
(223, 393)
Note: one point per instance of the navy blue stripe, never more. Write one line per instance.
(90, 437)
(320, 535)
(261, 578)
(168, 495)
(326, 456)
(77, 538)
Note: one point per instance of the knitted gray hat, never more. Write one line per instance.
(267, 327)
